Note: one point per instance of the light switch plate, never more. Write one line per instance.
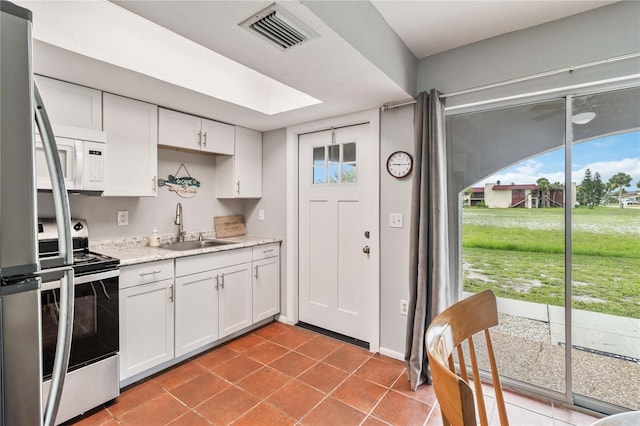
(122, 217)
(396, 220)
(260, 214)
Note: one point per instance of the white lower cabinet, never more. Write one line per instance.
(212, 300)
(266, 281)
(235, 304)
(146, 317)
(196, 311)
(215, 295)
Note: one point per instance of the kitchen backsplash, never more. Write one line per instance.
(146, 213)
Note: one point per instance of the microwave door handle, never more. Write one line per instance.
(78, 164)
(65, 248)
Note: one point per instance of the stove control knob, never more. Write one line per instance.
(78, 226)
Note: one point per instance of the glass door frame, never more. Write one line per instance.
(568, 396)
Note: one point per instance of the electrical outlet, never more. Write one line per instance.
(404, 307)
(396, 220)
(122, 217)
(260, 214)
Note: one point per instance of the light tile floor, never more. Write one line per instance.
(284, 375)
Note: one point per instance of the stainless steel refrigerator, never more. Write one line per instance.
(20, 327)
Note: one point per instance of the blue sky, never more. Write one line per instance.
(607, 155)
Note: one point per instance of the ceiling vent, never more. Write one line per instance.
(279, 27)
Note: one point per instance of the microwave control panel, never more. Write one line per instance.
(94, 160)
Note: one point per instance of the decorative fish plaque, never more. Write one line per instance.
(185, 187)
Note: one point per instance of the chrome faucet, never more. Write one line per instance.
(180, 222)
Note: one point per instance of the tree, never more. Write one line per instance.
(591, 191)
(598, 189)
(620, 181)
(586, 187)
(554, 188)
(468, 192)
(543, 187)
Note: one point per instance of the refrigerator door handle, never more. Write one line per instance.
(63, 219)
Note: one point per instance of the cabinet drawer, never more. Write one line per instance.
(145, 273)
(266, 250)
(207, 262)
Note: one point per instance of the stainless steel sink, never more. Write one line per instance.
(192, 245)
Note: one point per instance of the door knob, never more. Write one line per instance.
(365, 249)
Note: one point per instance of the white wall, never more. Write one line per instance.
(496, 199)
(273, 201)
(145, 213)
(598, 34)
(396, 134)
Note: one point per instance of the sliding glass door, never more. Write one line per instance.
(541, 225)
(605, 240)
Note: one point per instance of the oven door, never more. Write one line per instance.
(95, 323)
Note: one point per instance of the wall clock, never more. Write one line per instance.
(399, 164)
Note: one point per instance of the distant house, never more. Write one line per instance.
(497, 196)
(630, 198)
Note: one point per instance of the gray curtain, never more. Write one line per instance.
(429, 265)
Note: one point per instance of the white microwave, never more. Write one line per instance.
(82, 158)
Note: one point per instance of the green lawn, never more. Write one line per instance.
(519, 253)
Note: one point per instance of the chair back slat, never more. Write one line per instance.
(461, 361)
(502, 410)
(475, 371)
(446, 333)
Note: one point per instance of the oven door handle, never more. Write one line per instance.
(53, 285)
(65, 248)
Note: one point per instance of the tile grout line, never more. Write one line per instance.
(327, 395)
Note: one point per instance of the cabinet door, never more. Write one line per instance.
(179, 130)
(217, 137)
(248, 163)
(132, 132)
(240, 175)
(235, 303)
(146, 327)
(196, 311)
(70, 104)
(266, 288)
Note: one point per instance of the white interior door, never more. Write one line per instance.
(334, 224)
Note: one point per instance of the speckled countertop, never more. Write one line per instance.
(132, 251)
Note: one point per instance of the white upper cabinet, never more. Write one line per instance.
(186, 131)
(240, 176)
(132, 136)
(70, 104)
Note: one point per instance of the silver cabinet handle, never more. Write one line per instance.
(268, 251)
(222, 280)
(200, 138)
(205, 139)
(238, 190)
(155, 183)
(256, 273)
(366, 250)
(171, 292)
(142, 274)
(217, 282)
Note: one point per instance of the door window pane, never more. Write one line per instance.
(318, 156)
(334, 153)
(334, 164)
(349, 152)
(349, 173)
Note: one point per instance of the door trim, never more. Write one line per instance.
(373, 118)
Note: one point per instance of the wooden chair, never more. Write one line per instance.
(447, 332)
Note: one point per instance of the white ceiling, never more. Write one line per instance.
(328, 68)
(433, 26)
